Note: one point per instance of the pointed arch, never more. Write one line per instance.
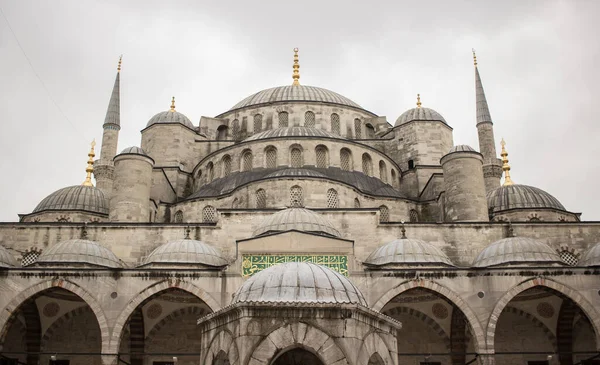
(222, 346)
(375, 348)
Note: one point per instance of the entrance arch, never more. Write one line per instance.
(297, 356)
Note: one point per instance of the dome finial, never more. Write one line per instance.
(187, 232)
(296, 74)
(403, 230)
(173, 105)
(474, 57)
(119, 66)
(418, 100)
(84, 233)
(511, 230)
(90, 166)
(505, 165)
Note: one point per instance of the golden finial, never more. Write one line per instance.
(474, 57)
(173, 105)
(505, 165)
(120, 60)
(418, 100)
(296, 75)
(90, 166)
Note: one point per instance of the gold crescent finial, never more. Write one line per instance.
(173, 104)
(120, 61)
(505, 165)
(418, 100)
(296, 74)
(474, 57)
(90, 166)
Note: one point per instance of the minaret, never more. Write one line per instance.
(112, 124)
(492, 170)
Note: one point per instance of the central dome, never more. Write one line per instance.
(295, 93)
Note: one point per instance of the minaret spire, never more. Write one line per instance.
(90, 166)
(296, 74)
(505, 165)
(113, 114)
(483, 111)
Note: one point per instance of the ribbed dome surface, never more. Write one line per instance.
(79, 251)
(292, 132)
(294, 172)
(515, 251)
(521, 196)
(6, 258)
(407, 251)
(462, 148)
(299, 219)
(77, 197)
(186, 252)
(170, 117)
(295, 93)
(299, 282)
(134, 150)
(419, 114)
(591, 257)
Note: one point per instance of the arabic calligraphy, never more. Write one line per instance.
(251, 264)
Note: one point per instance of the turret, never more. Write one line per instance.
(130, 199)
(464, 199)
(492, 167)
(112, 124)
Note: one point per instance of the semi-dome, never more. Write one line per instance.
(421, 114)
(591, 257)
(170, 117)
(462, 148)
(186, 252)
(408, 252)
(299, 219)
(294, 172)
(299, 282)
(77, 197)
(517, 251)
(292, 93)
(6, 258)
(521, 197)
(77, 252)
(292, 132)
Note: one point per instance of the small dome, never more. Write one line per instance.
(292, 132)
(170, 117)
(6, 258)
(521, 197)
(186, 252)
(405, 251)
(133, 150)
(295, 172)
(462, 148)
(299, 282)
(517, 251)
(299, 219)
(419, 114)
(591, 257)
(79, 251)
(77, 197)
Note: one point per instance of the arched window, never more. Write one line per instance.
(309, 119)
(244, 130)
(226, 165)
(384, 214)
(370, 131)
(236, 129)
(283, 119)
(335, 124)
(411, 164)
(296, 158)
(269, 123)
(296, 196)
(414, 216)
(356, 203)
(261, 198)
(357, 129)
(271, 157)
(322, 157)
(222, 133)
(178, 217)
(383, 171)
(210, 172)
(332, 199)
(209, 214)
(257, 123)
(367, 164)
(247, 161)
(394, 181)
(346, 159)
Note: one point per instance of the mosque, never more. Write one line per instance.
(298, 227)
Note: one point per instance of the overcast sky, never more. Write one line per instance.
(538, 61)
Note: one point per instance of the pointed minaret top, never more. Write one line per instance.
(296, 74)
(505, 165)
(173, 105)
(113, 114)
(483, 111)
(119, 66)
(474, 57)
(90, 166)
(418, 100)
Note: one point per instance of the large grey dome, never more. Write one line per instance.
(591, 257)
(424, 114)
(6, 258)
(186, 252)
(299, 219)
(77, 197)
(521, 196)
(517, 251)
(170, 117)
(299, 282)
(79, 251)
(408, 252)
(292, 132)
(295, 93)
(294, 172)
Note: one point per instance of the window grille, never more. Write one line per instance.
(283, 119)
(209, 214)
(261, 198)
(247, 161)
(257, 123)
(321, 153)
(345, 160)
(236, 129)
(332, 199)
(357, 129)
(413, 215)
(367, 164)
(335, 124)
(384, 214)
(226, 165)
(383, 172)
(271, 158)
(309, 119)
(535, 219)
(30, 256)
(296, 197)
(210, 173)
(356, 203)
(296, 158)
(568, 257)
(178, 218)
(63, 219)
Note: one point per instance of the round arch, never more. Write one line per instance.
(115, 338)
(373, 344)
(562, 289)
(472, 319)
(223, 342)
(5, 316)
(430, 322)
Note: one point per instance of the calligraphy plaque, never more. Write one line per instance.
(251, 264)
